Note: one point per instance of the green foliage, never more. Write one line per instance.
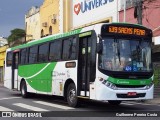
(156, 78)
(16, 34)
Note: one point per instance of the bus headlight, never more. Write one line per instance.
(149, 86)
(107, 83)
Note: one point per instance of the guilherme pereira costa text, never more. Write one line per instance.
(134, 114)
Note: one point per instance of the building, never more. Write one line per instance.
(59, 16)
(150, 15)
(32, 21)
(51, 17)
(3, 41)
(85, 13)
(2, 59)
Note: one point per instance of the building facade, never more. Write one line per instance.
(2, 59)
(85, 13)
(32, 21)
(50, 17)
(59, 16)
(150, 14)
(3, 41)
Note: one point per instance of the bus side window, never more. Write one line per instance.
(69, 49)
(33, 54)
(23, 56)
(55, 51)
(43, 53)
(9, 59)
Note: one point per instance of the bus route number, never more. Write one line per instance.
(127, 30)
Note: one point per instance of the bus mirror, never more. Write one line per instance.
(99, 48)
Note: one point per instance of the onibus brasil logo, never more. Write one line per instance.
(87, 5)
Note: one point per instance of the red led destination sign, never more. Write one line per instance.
(126, 30)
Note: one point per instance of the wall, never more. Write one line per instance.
(32, 20)
(2, 58)
(151, 16)
(49, 12)
(84, 13)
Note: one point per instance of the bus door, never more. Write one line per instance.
(15, 70)
(84, 65)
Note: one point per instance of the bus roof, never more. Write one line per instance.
(46, 39)
(61, 35)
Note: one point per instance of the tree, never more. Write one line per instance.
(16, 34)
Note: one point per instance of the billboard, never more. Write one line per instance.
(90, 11)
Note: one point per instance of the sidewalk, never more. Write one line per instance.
(154, 101)
(1, 83)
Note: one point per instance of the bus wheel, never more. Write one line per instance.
(24, 92)
(114, 102)
(72, 96)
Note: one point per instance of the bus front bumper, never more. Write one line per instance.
(105, 93)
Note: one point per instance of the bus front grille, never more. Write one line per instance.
(126, 96)
(130, 86)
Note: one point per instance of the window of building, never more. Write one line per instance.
(50, 30)
(42, 33)
(55, 51)
(9, 58)
(129, 3)
(43, 53)
(33, 54)
(69, 49)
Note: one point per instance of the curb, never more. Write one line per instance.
(1, 84)
(154, 101)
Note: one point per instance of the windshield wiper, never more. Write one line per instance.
(138, 49)
(118, 51)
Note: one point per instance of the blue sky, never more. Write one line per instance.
(12, 14)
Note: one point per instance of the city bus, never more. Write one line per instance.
(103, 62)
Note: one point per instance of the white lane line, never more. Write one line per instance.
(29, 107)
(9, 98)
(139, 103)
(5, 109)
(127, 104)
(54, 105)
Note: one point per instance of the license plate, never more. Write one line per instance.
(131, 94)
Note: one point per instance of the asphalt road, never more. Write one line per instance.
(51, 106)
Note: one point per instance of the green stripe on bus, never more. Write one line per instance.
(38, 78)
(130, 81)
(85, 34)
(46, 39)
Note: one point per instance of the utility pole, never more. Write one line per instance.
(124, 13)
(138, 11)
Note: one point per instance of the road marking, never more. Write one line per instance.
(9, 98)
(5, 109)
(139, 103)
(54, 105)
(29, 107)
(127, 104)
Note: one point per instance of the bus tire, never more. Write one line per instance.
(72, 95)
(24, 92)
(114, 102)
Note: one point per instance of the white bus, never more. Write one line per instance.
(105, 62)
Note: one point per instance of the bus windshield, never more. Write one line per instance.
(128, 55)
